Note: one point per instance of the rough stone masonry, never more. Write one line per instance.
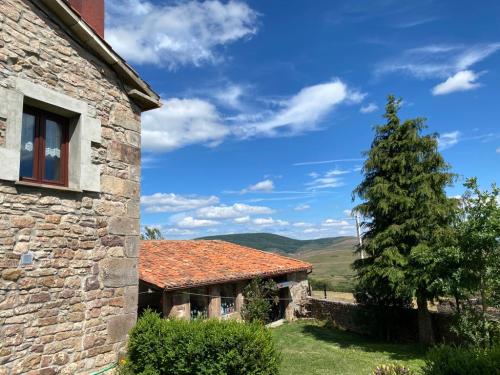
(68, 312)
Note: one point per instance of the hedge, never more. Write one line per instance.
(451, 360)
(206, 347)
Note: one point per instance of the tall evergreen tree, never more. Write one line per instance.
(408, 215)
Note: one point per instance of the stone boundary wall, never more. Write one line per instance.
(391, 324)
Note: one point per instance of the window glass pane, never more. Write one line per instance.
(53, 140)
(27, 145)
(228, 299)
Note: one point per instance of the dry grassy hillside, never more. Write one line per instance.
(332, 264)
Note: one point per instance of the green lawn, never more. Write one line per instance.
(311, 348)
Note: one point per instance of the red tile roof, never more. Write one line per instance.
(182, 264)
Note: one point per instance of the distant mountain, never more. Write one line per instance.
(275, 243)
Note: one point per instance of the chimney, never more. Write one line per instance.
(92, 12)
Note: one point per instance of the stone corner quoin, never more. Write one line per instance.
(70, 310)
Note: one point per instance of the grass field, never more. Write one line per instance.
(310, 348)
(333, 264)
(337, 296)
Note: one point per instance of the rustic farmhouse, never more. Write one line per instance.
(70, 127)
(190, 279)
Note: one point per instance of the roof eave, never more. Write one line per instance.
(198, 284)
(142, 94)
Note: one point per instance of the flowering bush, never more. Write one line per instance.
(391, 369)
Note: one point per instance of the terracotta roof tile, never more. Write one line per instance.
(182, 264)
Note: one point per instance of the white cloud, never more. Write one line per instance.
(177, 232)
(325, 182)
(170, 202)
(498, 150)
(438, 61)
(325, 162)
(242, 220)
(335, 172)
(235, 211)
(335, 223)
(302, 207)
(330, 179)
(461, 81)
(190, 222)
(230, 96)
(269, 221)
(447, 140)
(302, 112)
(369, 108)
(182, 122)
(314, 230)
(265, 186)
(413, 23)
(302, 224)
(186, 32)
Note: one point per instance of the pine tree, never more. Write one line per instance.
(408, 215)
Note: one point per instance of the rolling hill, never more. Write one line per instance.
(331, 257)
(275, 243)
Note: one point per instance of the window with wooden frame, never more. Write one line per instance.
(44, 148)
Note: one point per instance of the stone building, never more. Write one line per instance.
(191, 279)
(70, 112)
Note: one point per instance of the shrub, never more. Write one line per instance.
(164, 347)
(391, 369)
(449, 360)
(260, 295)
(474, 329)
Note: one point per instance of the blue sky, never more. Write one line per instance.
(269, 105)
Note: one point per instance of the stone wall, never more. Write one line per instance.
(389, 324)
(69, 312)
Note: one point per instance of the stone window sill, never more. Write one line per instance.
(46, 186)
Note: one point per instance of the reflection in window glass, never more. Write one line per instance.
(199, 303)
(228, 299)
(27, 145)
(53, 139)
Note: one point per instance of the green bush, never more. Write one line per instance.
(449, 360)
(260, 295)
(163, 347)
(391, 369)
(475, 329)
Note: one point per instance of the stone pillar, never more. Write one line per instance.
(181, 307)
(239, 297)
(215, 300)
(297, 293)
(289, 305)
(167, 304)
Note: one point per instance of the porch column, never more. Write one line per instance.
(239, 297)
(181, 306)
(290, 301)
(215, 300)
